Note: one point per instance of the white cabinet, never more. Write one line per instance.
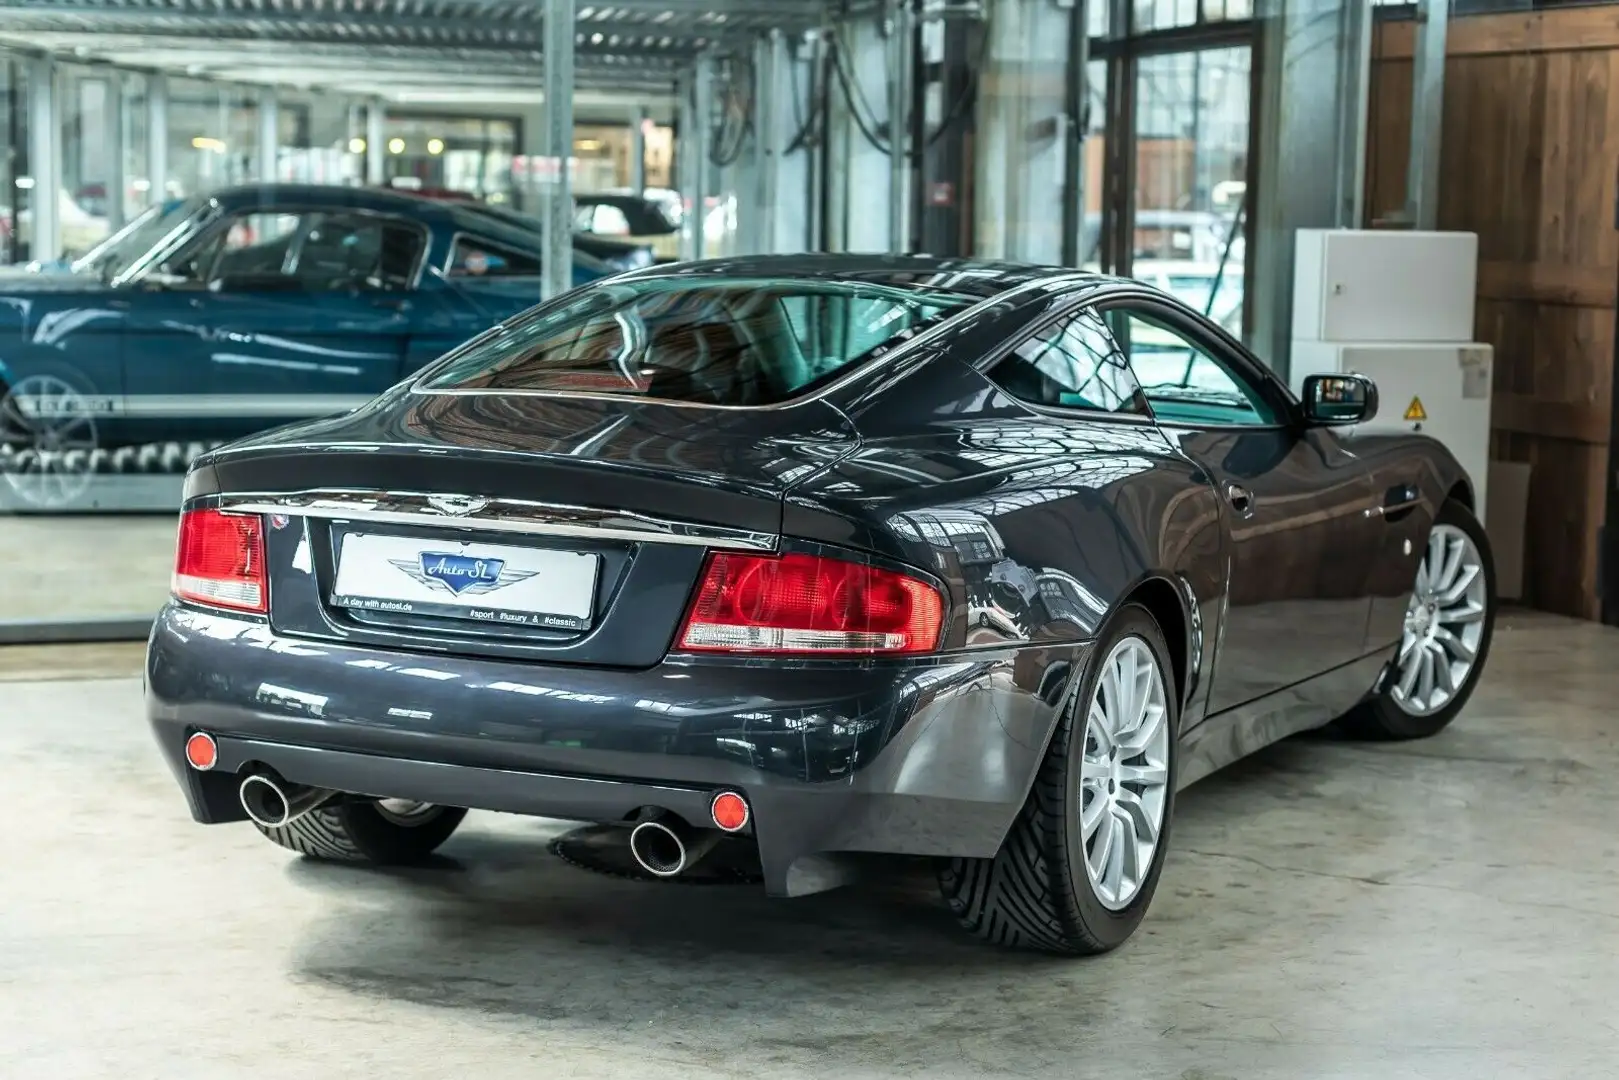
(1441, 390)
(1382, 285)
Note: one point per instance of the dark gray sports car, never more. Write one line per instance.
(802, 560)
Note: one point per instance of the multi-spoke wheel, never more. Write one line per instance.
(1124, 774)
(49, 440)
(1448, 623)
(1078, 868)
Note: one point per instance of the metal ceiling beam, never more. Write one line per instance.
(448, 22)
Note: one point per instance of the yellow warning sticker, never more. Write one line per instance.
(1415, 411)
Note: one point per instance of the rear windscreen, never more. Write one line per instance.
(709, 342)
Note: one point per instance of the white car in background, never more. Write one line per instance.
(78, 229)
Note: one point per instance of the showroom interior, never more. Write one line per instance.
(1418, 194)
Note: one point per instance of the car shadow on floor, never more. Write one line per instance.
(499, 925)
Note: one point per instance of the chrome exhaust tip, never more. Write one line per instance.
(665, 847)
(274, 803)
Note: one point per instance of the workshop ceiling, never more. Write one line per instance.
(446, 48)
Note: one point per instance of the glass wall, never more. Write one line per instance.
(1174, 92)
(469, 155)
(1191, 173)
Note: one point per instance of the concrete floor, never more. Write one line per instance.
(1436, 910)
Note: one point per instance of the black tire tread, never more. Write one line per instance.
(355, 832)
(1023, 897)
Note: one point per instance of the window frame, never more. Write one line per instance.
(1084, 304)
(1213, 340)
(219, 217)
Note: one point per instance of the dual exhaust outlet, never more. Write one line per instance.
(662, 844)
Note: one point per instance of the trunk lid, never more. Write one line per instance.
(569, 530)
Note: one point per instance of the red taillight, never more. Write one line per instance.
(220, 561)
(809, 604)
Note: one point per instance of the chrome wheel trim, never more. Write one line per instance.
(1444, 624)
(51, 441)
(408, 811)
(1124, 773)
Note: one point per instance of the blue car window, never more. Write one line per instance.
(728, 342)
(472, 257)
(358, 252)
(1184, 383)
(1072, 364)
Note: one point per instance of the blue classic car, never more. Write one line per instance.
(220, 315)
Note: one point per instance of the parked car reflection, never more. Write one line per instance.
(212, 317)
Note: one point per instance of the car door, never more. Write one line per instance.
(273, 316)
(1298, 588)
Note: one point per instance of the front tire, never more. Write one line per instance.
(1449, 623)
(383, 832)
(1078, 869)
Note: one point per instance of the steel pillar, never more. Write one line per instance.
(1427, 114)
(770, 66)
(269, 135)
(44, 160)
(696, 127)
(556, 150)
(901, 53)
(157, 138)
(117, 183)
(375, 151)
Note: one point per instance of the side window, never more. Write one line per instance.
(242, 246)
(356, 251)
(477, 258)
(1071, 364)
(1186, 384)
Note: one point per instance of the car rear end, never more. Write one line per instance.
(578, 605)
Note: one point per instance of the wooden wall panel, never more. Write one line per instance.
(1528, 162)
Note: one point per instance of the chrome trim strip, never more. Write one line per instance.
(926, 337)
(445, 510)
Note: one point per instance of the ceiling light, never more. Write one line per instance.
(435, 146)
(356, 146)
(396, 145)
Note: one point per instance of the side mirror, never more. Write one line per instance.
(1338, 400)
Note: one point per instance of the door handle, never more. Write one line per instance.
(1397, 501)
(1240, 498)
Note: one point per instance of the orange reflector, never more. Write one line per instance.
(201, 751)
(730, 811)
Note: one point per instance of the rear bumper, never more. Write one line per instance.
(930, 757)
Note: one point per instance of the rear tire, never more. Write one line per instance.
(1040, 891)
(1391, 714)
(353, 831)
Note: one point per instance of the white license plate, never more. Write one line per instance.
(514, 586)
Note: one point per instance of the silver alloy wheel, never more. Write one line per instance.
(408, 811)
(1124, 774)
(1444, 624)
(52, 432)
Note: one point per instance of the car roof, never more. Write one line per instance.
(359, 198)
(977, 278)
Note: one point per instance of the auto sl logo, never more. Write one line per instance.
(458, 505)
(461, 574)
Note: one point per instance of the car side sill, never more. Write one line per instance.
(1240, 731)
